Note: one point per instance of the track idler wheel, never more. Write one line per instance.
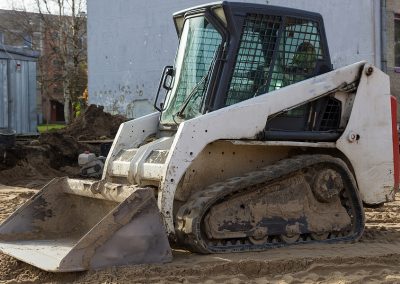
(327, 185)
(290, 238)
(260, 236)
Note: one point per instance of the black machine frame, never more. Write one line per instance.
(231, 28)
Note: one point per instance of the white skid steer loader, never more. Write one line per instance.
(258, 144)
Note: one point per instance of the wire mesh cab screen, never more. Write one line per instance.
(274, 52)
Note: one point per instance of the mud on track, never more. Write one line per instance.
(374, 259)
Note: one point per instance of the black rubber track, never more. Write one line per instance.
(189, 227)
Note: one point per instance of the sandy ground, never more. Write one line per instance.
(375, 259)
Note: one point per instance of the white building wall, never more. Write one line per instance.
(129, 42)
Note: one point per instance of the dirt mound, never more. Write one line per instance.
(33, 163)
(26, 165)
(94, 124)
(64, 149)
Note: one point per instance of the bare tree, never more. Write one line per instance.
(66, 31)
(62, 66)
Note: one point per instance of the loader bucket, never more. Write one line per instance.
(73, 225)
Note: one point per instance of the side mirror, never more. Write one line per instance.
(165, 82)
(168, 77)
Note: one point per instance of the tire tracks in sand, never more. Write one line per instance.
(373, 259)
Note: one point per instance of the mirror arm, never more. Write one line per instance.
(168, 71)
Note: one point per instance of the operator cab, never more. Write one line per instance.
(230, 52)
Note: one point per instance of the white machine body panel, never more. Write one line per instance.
(370, 156)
